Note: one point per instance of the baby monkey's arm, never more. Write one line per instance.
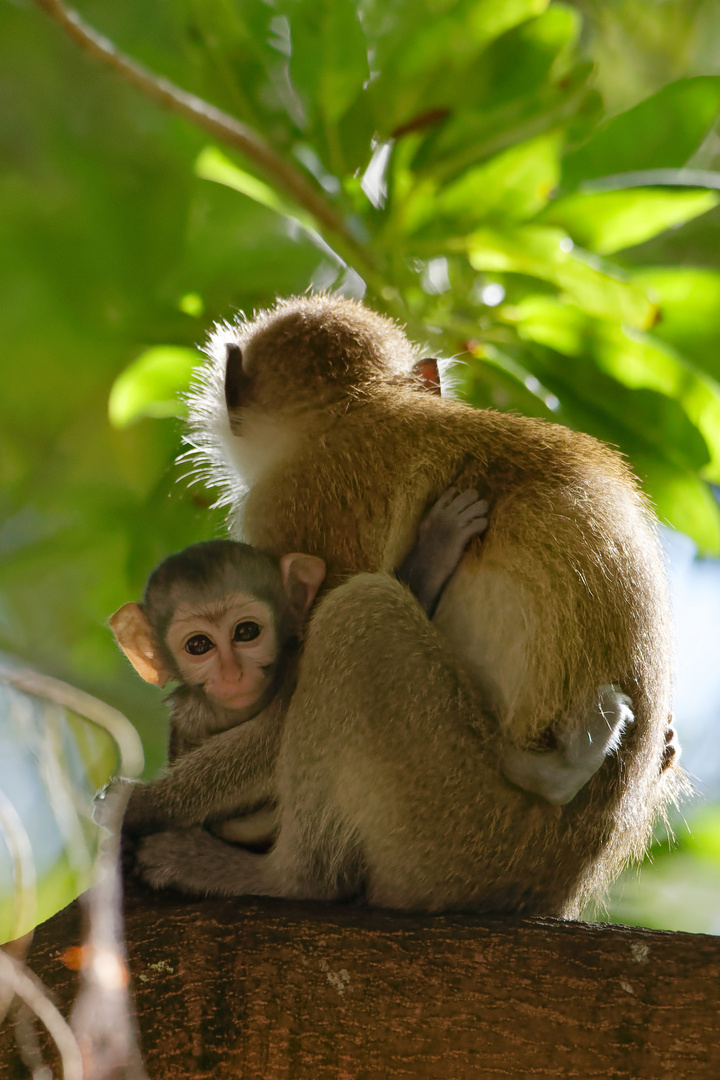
(443, 535)
(230, 773)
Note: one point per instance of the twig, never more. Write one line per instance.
(29, 989)
(211, 119)
(102, 1019)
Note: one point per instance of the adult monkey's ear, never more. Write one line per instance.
(133, 634)
(426, 371)
(302, 576)
(238, 384)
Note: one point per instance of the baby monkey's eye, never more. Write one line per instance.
(199, 645)
(246, 631)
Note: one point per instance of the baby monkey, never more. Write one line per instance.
(225, 622)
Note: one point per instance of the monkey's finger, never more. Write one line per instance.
(475, 509)
(464, 499)
(446, 498)
(475, 527)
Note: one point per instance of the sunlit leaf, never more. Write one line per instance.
(151, 384)
(514, 185)
(492, 379)
(546, 253)
(421, 60)
(661, 132)
(689, 300)
(462, 32)
(212, 164)
(636, 360)
(611, 220)
(527, 83)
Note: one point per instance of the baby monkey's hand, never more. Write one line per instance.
(443, 535)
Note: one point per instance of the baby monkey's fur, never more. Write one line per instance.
(388, 773)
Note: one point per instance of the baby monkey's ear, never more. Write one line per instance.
(133, 634)
(302, 576)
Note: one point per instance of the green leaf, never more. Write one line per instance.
(689, 300)
(683, 501)
(493, 379)
(328, 62)
(151, 384)
(525, 84)
(425, 59)
(239, 253)
(459, 34)
(663, 131)
(212, 165)
(514, 185)
(612, 220)
(704, 833)
(545, 253)
(637, 361)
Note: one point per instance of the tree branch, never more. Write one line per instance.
(254, 987)
(211, 119)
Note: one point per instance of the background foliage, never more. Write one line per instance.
(529, 190)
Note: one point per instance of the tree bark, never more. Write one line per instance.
(261, 989)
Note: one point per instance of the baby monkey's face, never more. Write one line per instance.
(229, 647)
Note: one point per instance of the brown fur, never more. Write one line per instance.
(389, 773)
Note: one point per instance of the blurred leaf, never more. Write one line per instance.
(452, 36)
(682, 500)
(477, 135)
(704, 835)
(232, 46)
(634, 359)
(424, 53)
(492, 379)
(213, 165)
(613, 220)
(673, 891)
(151, 385)
(689, 300)
(355, 134)
(546, 253)
(238, 253)
(663, 131)
(328, 61)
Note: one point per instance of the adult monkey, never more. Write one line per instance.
(389, 776)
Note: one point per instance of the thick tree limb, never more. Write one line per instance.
(217, 123)
(262, 989)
